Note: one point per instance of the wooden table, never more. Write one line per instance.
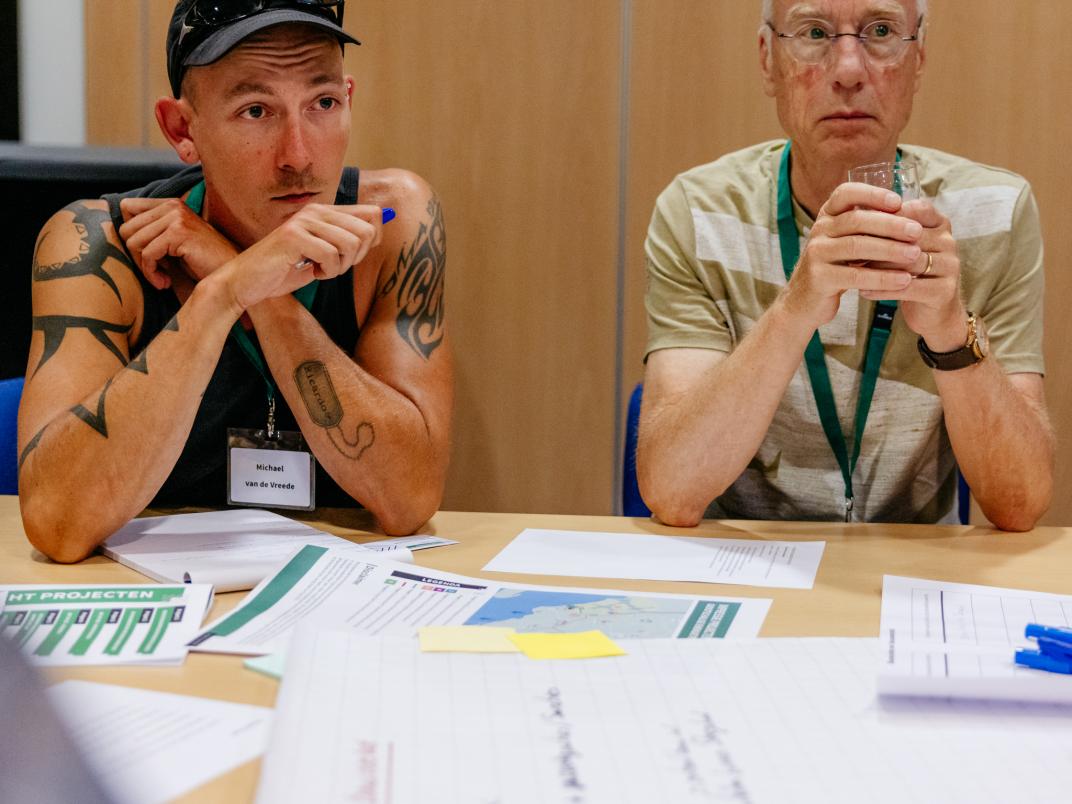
(844, 602)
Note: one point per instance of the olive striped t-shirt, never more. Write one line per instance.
(714, 267)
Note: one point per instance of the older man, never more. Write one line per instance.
(770, 388)
(195, 340)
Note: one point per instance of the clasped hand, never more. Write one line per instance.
(163, 233)
(865, 238)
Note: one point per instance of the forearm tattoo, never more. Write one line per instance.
(95, 420)
(325, 409)
(30, 447)
(417, 284)
(54, 328)
(94, 249)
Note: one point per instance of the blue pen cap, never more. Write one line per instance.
(1040, 661)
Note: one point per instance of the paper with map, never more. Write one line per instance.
(764, 721)
(370, 594)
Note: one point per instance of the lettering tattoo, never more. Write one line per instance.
(95, 420)
(94, 249)
(30, 447)
(417, 284)
(54, 328)
(325, 409)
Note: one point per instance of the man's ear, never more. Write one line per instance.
(350, 89)
(173, 115)
(766, 61)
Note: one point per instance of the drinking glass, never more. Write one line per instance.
(901, 177)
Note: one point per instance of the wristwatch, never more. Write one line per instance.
(972, 352)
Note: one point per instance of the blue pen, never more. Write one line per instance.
(1054, 652)
(388, 216)
(1040, 661)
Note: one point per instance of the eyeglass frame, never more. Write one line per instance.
(859, 36)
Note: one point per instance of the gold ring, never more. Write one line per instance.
(930, 264)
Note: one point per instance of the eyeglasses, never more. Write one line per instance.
(883, 41)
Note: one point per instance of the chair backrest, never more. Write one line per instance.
(10, 393)
(632, 503)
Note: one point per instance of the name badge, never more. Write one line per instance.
(264, 472)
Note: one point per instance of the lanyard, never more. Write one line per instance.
(814, 357)
(195, 201)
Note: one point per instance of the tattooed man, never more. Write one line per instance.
(258, 291)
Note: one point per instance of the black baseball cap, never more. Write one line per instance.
(204, 31)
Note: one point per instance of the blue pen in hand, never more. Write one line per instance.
(1054, 652)
(388, 216)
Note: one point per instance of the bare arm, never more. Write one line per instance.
(99, 432)
(378, 420)
(997, 422)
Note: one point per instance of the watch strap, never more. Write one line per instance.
(966, 355)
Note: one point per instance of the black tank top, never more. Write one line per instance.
(236, 396)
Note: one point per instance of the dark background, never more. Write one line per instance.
(35, 182)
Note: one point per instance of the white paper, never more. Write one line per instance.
(752, 562)
(232, 550)
(762, 721)
(958, 640)
(371, 594)
(412, 543)
(149, 747)
(86, 624)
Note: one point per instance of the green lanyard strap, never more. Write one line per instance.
(195, 200)
(814, 357)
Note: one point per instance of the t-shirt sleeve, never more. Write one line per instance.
(680, 297)
(1013, 311)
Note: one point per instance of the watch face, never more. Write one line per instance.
(982, 342)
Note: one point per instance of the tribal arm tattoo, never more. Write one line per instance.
(94, 250)
(95, 420)
(322, 403)
(417, 284)
(54, 328)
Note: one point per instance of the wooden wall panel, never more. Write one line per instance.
(510, 110)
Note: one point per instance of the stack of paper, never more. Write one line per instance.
(232, 550)
(958, 640)
(87, 624)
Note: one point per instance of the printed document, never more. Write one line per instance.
(232, 550)
(371, 594)
(766, 721)
(149, 747)
(958, 640)
(76, 624)
(750, 562)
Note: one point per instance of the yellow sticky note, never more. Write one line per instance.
(466, 639)
(584, 645)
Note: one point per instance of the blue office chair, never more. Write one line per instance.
(632, 504)
(10, 393)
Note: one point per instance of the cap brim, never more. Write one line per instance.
(220, 43)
